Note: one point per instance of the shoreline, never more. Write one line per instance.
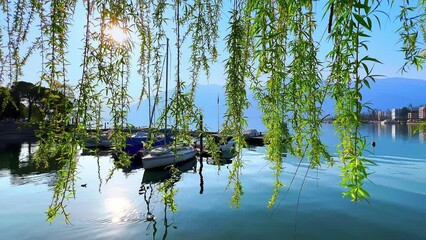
(17, 132)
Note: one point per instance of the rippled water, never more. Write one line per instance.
(129, 206)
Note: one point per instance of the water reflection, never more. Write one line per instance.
(148, 195)
(130, 205)
(118, 207)
(161, 175)
(16, 160)
(155, 179)
(395, 131)
(221, 161)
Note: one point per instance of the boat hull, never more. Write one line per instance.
(155, 161)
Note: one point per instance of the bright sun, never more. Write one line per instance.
(117, 34)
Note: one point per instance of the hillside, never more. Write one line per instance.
(384, 94)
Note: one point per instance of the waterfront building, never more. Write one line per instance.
(413, 115)
(396, 114)
(382, 115)
(422, 112)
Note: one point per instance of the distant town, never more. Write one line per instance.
(397, 115)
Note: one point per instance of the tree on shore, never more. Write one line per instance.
(25, 98)
(9, 106)
(28, 94)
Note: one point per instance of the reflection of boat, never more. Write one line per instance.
(388, 121)
(160, 174)
(161, 157)
(99, 152)
(220, 161)
(135, 143)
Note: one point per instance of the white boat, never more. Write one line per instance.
(226, 150)
(161, 157)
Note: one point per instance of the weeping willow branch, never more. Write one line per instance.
(347, 66)
(19, 18)
(269, 29)
(270, 46)
(413, 18)
(236, 70)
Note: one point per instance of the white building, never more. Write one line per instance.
(422, 112)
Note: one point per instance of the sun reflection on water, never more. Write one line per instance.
(118, 208)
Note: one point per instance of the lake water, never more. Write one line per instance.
(118, 208)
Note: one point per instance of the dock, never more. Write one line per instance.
(252, 140)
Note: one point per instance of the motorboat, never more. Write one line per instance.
(165, 156)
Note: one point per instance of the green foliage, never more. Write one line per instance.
(271, 49)
(18, 17)
(413, 18)
(168, 189)
(350, 72)
(8, 104)
(236, 70)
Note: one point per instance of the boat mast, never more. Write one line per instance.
(218, 113)
(167, 85)
(167, 88)
(149, 103)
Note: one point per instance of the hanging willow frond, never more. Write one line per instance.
(413, 18)
(236, 70)
(270, 47)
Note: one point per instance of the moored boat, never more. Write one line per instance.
(163, 156)
(226, 149)
(135, 143)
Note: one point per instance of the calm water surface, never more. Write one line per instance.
(118, 208)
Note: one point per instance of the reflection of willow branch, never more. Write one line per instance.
(148, 193)
(298, 201)
(166, 225)
(99, 174)
(200, 171)
(65, 185)
(147, 198)
(154, 226)
(168, 188)
(294, 177)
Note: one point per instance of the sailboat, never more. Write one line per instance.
(164, 156)
(135, 143)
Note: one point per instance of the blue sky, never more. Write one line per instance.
(383, 45)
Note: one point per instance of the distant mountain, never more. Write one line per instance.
(391, 93)
(206, 99)
(384, 94)
(388, 93)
